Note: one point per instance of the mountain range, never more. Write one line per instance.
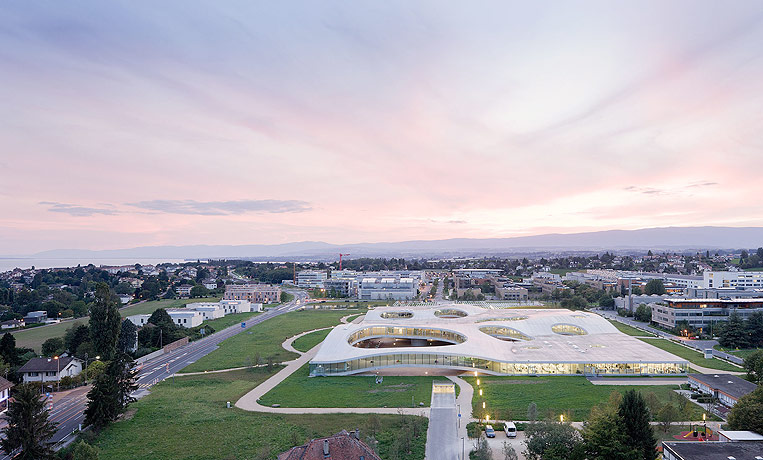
(656, 239)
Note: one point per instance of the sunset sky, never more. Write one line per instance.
(130, 123)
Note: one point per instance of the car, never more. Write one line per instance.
(489, 431)
(510, 429)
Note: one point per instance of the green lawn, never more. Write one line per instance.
(743, 353)
(572, 395)
(307, 342)
(34, 337)
(229, 320)
(691, 355)
(265, 339)
(350, 303)
(300, 390)
(187, 419)
(630, 330)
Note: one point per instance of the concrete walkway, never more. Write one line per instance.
(442, 433)
(288, 344)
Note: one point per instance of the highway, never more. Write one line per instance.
(68, 412)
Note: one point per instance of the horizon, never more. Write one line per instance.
(249, 124)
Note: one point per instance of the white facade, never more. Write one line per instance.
(239, 306)
(139, 320)
(310, 279)
(208, 310)
(387, 289)
(736, 280)
(185, 318)
(51, 373)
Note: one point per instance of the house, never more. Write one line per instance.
(727, 388)
(139, 320)
(50, 369)
(341, 446)
(184, 290)
(210, 284)
(239, 306)
(125, 298)
(208, 310)
(36, 317)
(5, 394)
(12, 324)
(184, 317)
(713, 450)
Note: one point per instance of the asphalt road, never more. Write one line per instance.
(69, 411)
(442, 434)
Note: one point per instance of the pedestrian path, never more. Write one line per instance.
(442, 433)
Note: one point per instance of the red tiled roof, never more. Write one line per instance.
(341, 446)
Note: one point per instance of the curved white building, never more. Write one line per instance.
(491, 341)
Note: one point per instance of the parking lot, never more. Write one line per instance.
(496, 444)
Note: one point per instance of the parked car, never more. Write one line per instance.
(489, 431)
(510, 429)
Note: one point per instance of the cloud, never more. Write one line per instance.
(669, 190)
(221, 208)
(76, 210)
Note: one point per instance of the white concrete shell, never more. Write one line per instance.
(491, 341)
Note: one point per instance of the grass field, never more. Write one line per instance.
(229, 320)
(306, 342)
(34, 337)
(630, 330)
(266, 339)
(743, 353)
(350, 303)
(691, 355)
(571, 395)
(300, 390)
(187, 419)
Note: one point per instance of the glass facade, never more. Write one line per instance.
(511, 318)
(440, 360)
(568, 329)
(450, 313)
(501, 332)
(405, 332)
(397, 314)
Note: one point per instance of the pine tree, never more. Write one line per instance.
(8, 349)
(635, 416)
(28, 425)
(110, 394)
(734, 333)
(104, 322)
(128, 336)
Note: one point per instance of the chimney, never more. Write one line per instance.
(325, 447)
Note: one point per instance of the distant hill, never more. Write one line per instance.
(667, 238)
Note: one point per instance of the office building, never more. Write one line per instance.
(311, 279)
(702, 313)
(388, 289)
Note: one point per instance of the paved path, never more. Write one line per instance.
(442, 433)
(288, 344)
(637, 381)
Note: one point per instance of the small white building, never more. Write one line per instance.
(50, 369)
(239, 306)
(184, 317)
(210, 285)
(184, 290)
(139, 320)
(208, 310)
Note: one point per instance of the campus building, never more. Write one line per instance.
(387, 289)
(345, 287)
(728, 388)
(254, 293)
(311, 279)
(702, 313)
(737, 280)
(490, 340)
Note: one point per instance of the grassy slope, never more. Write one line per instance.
(299, 390)
(743, 353)
(266, 340)
(572, 395)
(691, 355)
(146, 308)
(306, 342)
(187, 419)
(229, 320)
(630, 330)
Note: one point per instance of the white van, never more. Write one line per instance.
(510, 429)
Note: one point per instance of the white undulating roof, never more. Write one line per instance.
(603, 343)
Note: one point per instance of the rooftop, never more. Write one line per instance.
(732, 385)
(45, 364)
(702, 450)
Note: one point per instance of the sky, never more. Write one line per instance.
(140, 123)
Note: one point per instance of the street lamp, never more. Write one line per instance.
(58, 373)
(561, 418)
(704, 422)
(480, 391)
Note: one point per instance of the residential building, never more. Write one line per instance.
(510, 292)
(728, 388)
(210, 284)
(5, 394)
(50, 369)
(239, 306)
(125, 298)
(737, 280)
(311, 279)
(139, 320)
(341, 446)
(208, 310)
(344, 287)
(12, 324)
(387, 289)
(36, 317)
(184, 290)
(255, 293)
(704, 450)
(701, 313)
(185, 317)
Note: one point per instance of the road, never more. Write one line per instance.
(700, 345)
(442, 434)
(69, 411)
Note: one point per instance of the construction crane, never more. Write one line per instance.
(340, 260)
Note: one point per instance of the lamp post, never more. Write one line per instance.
(58, 373)
(704, 422)
(561, 418)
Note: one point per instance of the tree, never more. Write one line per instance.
(607, 302)
(104, 322)
(508, 451)
(76, 336)
(532, 412)
(655, 286)
(53, 346)
(753, 364)
(552, 441)
(666, 416)
(643, 313)
(482, 450)
(128, 337)
(755, 329)
(8, 349)
(605, 437)
(745, 415)
(84, 451)
(28, 425)
(110, 394)
(734, 334)
(636, 417)
(199, 291)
